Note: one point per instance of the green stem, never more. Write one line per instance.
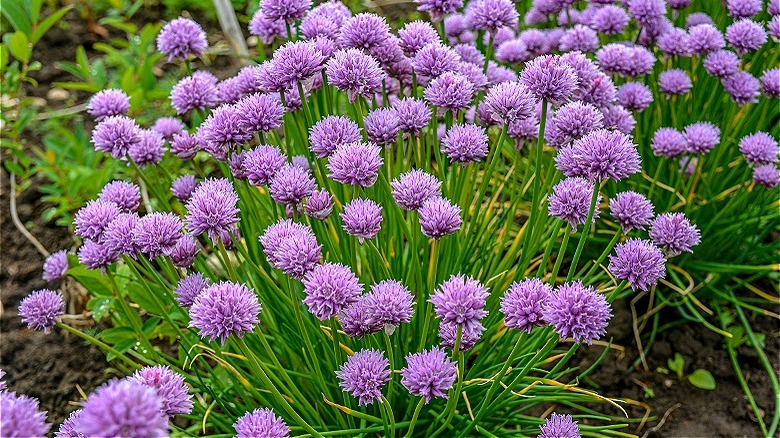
(414, 418)
(585, 231)
(99, 344)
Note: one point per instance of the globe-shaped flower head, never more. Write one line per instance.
(118, 236)
(319, 205)
(669, 143)
(705, 38)
(181, 38)
(743, 88)
(123, 408)
(198, 91)
(573, 121)
(549, 78)
(460, 300)
(570, 201)
(759, 148)
(767, 175)
(559, 426)
(415, 35)
(450, 91)
(68, 427)
(167, 127)
(674, 233)
(95, 255)
(362, 218)
(21, 417)
(265, 28)
(92, 219)
(183, 186)
(260, 113)
(363, 375)
(222, 131)
(491, 15)
(262, 163)
(55, 266)
(675, 42)
(329, 288)
(413, 188)
(770, 80)
(40, 309)
(674, 81)
(413, 115)
(291, 185)
(631, 210)
(157, 233)
(510, 101)
(261, 423)
(439, 217)
(364, 31)
(225, 309)
(212, 209)
(578, 312)
(389, 304)
(107, 103)
(148, 150)
(522, 304)
(745, 35)
(433, 60)
(429, 374)
(579, 38)
(354, 72)
(115, 135)
(438, 9)
(356, 164)
(184, 145)
(295, 62)
(600, 155)
(465, 144)
(722, 63)
(635, 96)
(190, 287)
(609, 19)
(701, 137)
(170, 387)
(288, 10)
(639, 262)
(382, 126)
(646, 11)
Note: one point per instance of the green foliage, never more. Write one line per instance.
(699, 378)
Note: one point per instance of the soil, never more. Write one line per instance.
(57, 369)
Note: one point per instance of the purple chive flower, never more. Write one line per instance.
(222, 131)
(438, 9)
(559, 426)
(382, 126)
(450, 91)
(329, 288)
(92, 219)
(364, 374)
(354, 72)
(356, 321)
(474, 75)
(40, 309)
(123, 408)
(631, 210)
(196, 91)
(107, 103)
(674, 81)
(460, 300)
(319, 205)
(265, 28)
(522, 304)
(149, 150)
(118, 235)
(262, 163)
(639, 262)
(95, 255)
(439, 217)
(389, 304)
(184, 145)
(745, 35)
(635, 96)
(721, 64)
(679, 4)
(468, 337)
(579, 38)
(570, 201)
(294, 62)
(646, 11)
(115, 135)
(189, 288)
(184, 252)
(497, 74)
(362, 218)
(536, 41)
(513, 51)
(770, 82)
(773, 7)
(767, 175)
(674, 234)
(743, 88)
(600, 155)
(549, 78)
(705, 38)
(491, 15)
(701, 137)
(355, 164)
(183, 186)
(573, 121)
(363, 31)
(259, 113)
(261, 423)
(413, 115)
(625, 60)
(429, 374)
(413, 188)
(619, 118)
(675, 42)
(291, 184)
(169, 386)
(510, 101)
(433, 60)
(293, 249)
(225, 309)
(331, 132)
(168, 126)
(68, 427)
(759, 148)
(465, 144)
(609, 19)
(212, 208)
(743, 8)
(454, 26)
(56, 266)
(157, 233)
(21, 417)
(415, 35)
(773, 28)
(578, 312)
(181, 38)
(697, 18)
(276, 233)
(320, 26)
(288, 10)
